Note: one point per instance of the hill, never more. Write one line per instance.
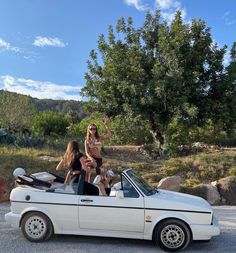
(60, 106)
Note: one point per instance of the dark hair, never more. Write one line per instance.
(72, 152)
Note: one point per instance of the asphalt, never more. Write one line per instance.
(12, 240)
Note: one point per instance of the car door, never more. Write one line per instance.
(113, 213)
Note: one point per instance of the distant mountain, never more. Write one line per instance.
(60, 106)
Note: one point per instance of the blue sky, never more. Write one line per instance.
(44, 44)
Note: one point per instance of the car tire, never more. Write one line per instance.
(36, 227)
(172, 235)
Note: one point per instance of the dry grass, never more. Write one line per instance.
(194, 169)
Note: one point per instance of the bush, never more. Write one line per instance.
(5, 137)
(232, 171)
(48, 123)
(25, 140)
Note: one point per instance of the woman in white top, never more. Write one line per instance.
(93, 144)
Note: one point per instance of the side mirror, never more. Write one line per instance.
(120, 194)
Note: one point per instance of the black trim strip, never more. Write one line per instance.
(57, 204)
(177, 210)
(124, 207)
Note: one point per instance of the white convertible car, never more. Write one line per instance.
(42, 206)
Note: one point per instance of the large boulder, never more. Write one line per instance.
(227, 189)
(170, 183)
(207, 191)
(4, 190)
(212, 194)
(199, 190)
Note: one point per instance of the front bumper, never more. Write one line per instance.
(205, 232)
(13, 219)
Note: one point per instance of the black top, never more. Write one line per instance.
(76, 165)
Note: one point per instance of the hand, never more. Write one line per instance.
(106, 120)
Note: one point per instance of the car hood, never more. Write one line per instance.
(164, 199)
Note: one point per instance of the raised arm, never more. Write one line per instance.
(108, 133)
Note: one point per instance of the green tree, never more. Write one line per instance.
(159, 71)
(125, 130)
(229, 97)
(48, 123)
(129, 130)
(16, 112)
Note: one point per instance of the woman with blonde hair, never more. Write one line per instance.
(93, 143)
(103, 182)
(73, 160)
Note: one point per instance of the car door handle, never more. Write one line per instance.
(86, 200)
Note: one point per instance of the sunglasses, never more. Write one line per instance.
(93, 128)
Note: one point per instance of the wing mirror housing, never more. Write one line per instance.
(120, 194)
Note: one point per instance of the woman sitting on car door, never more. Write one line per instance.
(73, 160)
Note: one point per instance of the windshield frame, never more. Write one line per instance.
(140, 183)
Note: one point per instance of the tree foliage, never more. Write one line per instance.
(49, 123)
(16, 112)
(125, 130)
(160, 72)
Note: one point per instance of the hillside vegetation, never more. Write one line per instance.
(193, 169)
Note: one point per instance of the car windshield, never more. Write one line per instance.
(141, 183)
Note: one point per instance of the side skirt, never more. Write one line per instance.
(106, 233)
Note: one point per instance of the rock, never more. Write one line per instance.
(207, 191)
(199, 190)
(4, 190)
(170, 183)
(212, 194)
(48, 158)
(214, 183)
(227, 189)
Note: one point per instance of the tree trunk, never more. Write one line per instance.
(157, 136)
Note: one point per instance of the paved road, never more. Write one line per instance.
(12, 240)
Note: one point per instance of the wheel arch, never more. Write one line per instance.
(36, 210)
(171, 218)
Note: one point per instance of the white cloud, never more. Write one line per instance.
(228, 20)
(6, 46)
(48, 41)
(167, 4)
(169, 7)
(39, 89)
(227, 58)
(137, 4)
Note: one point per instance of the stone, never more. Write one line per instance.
(227, 189)
(4, 190)
(213, 196)
(171, 183)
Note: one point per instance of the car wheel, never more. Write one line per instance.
(172, 235)
(36, 227)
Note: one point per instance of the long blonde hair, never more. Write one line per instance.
(72, 152)
(88, 135)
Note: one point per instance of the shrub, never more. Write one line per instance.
(48, 123)
(232, 171)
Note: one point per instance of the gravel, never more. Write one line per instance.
(12, 240)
